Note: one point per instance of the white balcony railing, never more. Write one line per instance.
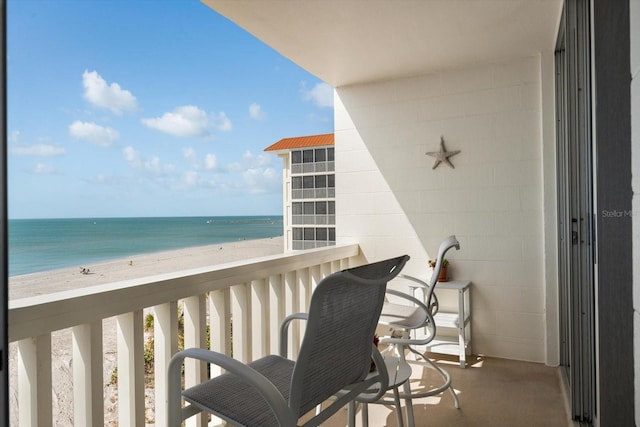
(257, 293)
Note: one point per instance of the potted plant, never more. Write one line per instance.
(443, 270)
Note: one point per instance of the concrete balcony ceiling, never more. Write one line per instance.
(360, 41)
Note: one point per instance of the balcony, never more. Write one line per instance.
(257, 294)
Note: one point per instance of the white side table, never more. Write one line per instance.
(459, 319)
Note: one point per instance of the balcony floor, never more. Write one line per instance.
(493, 392)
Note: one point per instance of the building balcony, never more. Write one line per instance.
(257, 294)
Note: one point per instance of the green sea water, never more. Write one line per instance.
(46, 244)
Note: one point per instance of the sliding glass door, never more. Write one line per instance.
(575, 207)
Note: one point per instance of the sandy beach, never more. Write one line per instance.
(106, 272)
(140, 266)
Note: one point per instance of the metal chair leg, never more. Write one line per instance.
(365, 414)
(351, 414)
(445, 376)
(396, 398)
(407, 396)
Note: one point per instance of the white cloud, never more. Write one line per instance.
(321, 95)
(14, 137)
(109, 96)
(189, 153)
(131, 156)
(260, 180)
(191, 178)
(189, 121)
(256, 113)
(250, 175)
(258, 175)
(39, 150)
(262, 160)
(222, 122)
(152, 165)
(42, 169)
(93, 133)
(210, 162)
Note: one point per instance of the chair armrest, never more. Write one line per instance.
(408, 297)
(416, 282)
(430, 324)
(262, 385)
(430, 296)
(426, 322)
(284, 330)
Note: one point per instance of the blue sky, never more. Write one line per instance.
(148, 108)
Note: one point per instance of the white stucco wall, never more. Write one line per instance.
(635, 184)
(391, 201)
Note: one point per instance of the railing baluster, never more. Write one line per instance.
(326, 269)
(290, 307)
(316, 276)
(165, 331)
(302, 302)
(34, 381)
(220, 330)
(241, 321)
(220, 319)
(130, 344)
(195, 336)
(88, 402)
(276, 310)
(259, 319)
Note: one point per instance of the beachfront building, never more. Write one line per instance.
(308, 188)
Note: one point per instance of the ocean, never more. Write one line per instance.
(47, 244)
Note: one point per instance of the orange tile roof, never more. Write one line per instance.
(302, 142)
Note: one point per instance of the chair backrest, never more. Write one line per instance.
(336, 349)
(448, 243)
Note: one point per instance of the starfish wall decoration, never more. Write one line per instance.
(442, 155)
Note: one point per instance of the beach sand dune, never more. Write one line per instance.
(108, 272)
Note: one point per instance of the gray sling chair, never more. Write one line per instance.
(335, 355)
(408, 315)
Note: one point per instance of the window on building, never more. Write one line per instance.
(321, 208)
(297, 234)
(332, 234)
(321, 181)
(307, 156)
(321, 234)
(331, 208)
(309, 234)
(296, 182)
(308, 208)
(330, 154)
(296, 208)
(321, 155)
(307, 181)
(296, 157)
(331, 181)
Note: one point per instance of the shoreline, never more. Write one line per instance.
(136, 266)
